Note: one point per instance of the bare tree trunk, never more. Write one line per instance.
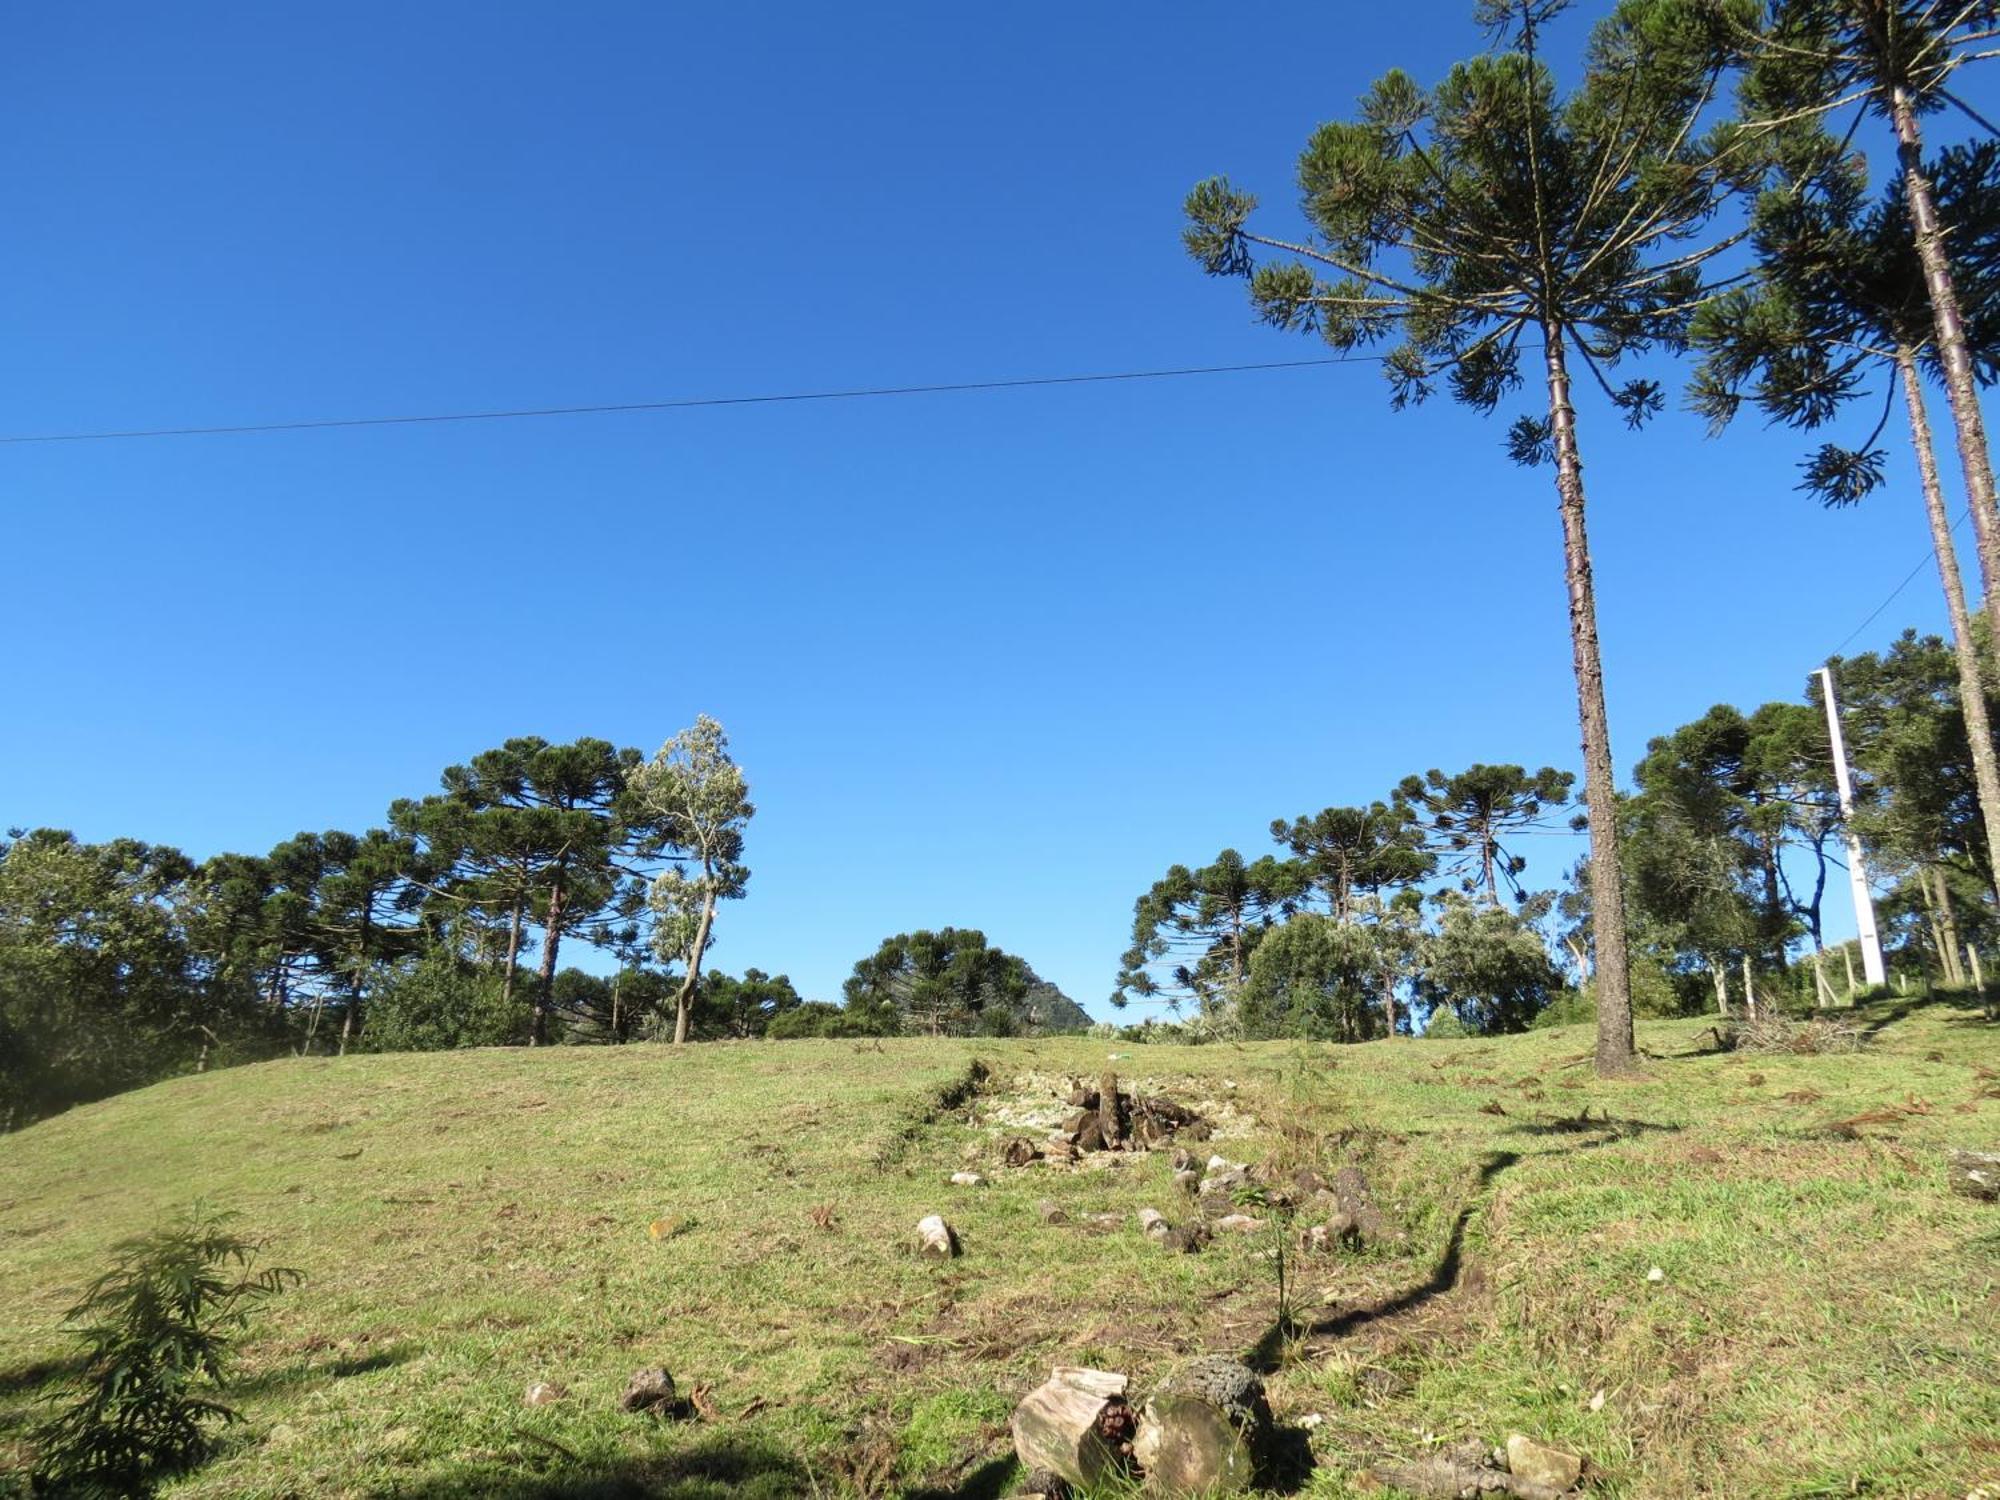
(1946, 924)
(1961, 388)
(1965, 645)
(1749, 990)
(513, 952)
(1721, 986)
(684, 1001)
(546, 981)
(1607, 885)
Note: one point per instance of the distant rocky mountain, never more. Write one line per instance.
(1045, 1009)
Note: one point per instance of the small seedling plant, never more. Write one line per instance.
(156, 1331)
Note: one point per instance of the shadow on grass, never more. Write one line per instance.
(1610, 1127)
(1266, 1355)
(292, 1377)
(711, 1470)
(987, 1482)
(28, 1379)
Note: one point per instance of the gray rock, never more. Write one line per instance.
(1540, 1464)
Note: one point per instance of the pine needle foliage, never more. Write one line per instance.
(1459, 222)
(155, 1330)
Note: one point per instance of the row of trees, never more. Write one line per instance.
(1413, 912)
(1699, 185)
(124, 961)
(1375, 918)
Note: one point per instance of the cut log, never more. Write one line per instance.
(1020, 1151)
(966, 1179)
(1090, 1136)
(1051, 1212)
(1188, 1181)
(1110, 1124)
(1077, 1426)
(935, 1237)
(1203, 1432)
(1976, 1174)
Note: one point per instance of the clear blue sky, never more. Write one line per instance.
(992, 659)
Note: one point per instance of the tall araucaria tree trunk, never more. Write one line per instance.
(1965, 645)
(546, 980)
(1614, 999)
(1961, 388)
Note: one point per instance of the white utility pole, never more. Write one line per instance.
(1857, 871)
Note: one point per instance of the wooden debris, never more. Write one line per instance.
(1020, 1151)
(1239, 1224)
(935, 1237)
(1468, 1468)
(1188, 1181)
(1051, 1212)
(1976, 1174)
(1203, 1431)
(1077, 1426)
(966, 1179)
(1108, 1118)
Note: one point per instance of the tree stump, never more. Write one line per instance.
(1109, 1125)
(1202, 1432)
(1077, 1426)
(1976, 1174)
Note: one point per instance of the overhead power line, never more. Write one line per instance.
(1923, 562)
(687, 403)
(513, 414)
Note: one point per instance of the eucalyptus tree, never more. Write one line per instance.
(1469, 818)
(693, 799)
(1351, 853)
(1490, 210)
(1841, 296)
(1896, 60)
(1202, 925)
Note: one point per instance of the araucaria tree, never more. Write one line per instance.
(1897, 60)
(694, 799)
(1840, 298)
(951, 982)
(1468, 819)
(1490, 211)
(1201, 926)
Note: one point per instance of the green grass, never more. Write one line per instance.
(1827, 1323)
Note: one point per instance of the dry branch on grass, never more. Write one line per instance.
(1768, 1033)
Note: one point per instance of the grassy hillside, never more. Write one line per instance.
(1826, 1322)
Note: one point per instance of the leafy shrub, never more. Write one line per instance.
(439, 1003)
(1444, 1025)
(155, 1330)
